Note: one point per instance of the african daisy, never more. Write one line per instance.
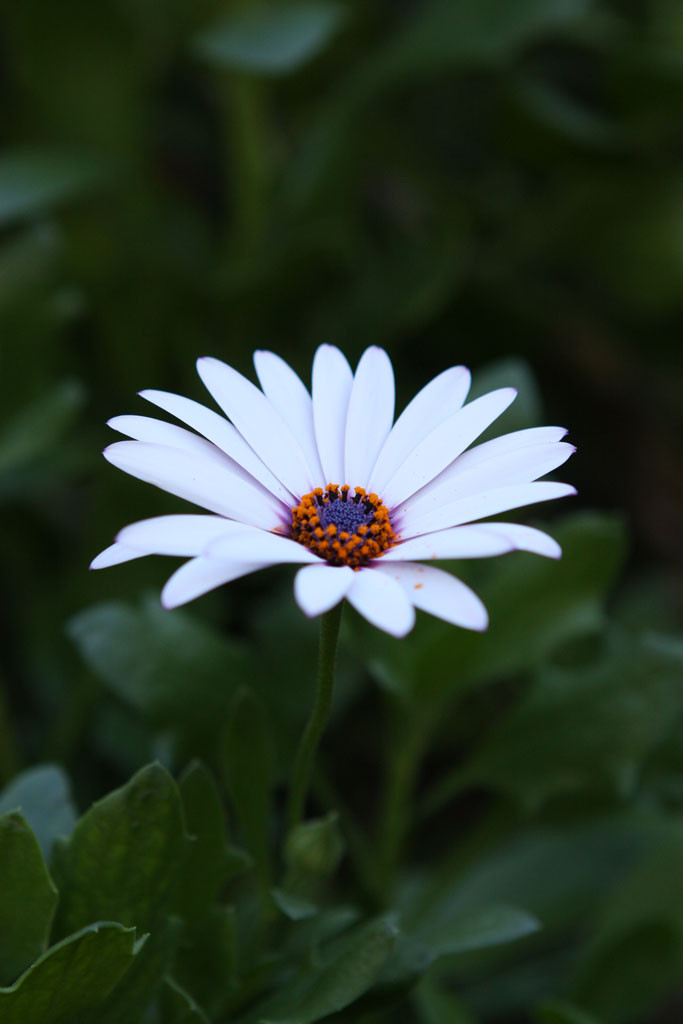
(328, 481)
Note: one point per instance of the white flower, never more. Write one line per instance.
(326, 481)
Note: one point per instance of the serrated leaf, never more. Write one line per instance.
(123, 857)
(42, 795)
(136, 990)
(71, 978)
(270, 38)
(247, 757)
(176, 670)
(28, 897)
(33, 182)
(585, 727)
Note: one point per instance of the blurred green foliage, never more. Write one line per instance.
(499, 819)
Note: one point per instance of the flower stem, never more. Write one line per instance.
(303, 763)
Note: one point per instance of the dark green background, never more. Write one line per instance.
(456, 180)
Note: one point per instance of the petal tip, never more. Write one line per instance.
(166, 602)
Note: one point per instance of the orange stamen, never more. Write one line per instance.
(340, 546)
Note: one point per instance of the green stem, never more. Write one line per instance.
(303, 763)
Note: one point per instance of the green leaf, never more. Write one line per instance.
(43, 797)
(535, 605)
(123, 858)
(483, 929)
(247, 758)
(40, 426)
(28, 897)
(635, 971)
(352, 970)
(33, 182)
(559, 873)
(562, 1013)
(206, 965)
(449, 34)
(652, 890)
(585, 727)
(635, 956)
(142, 982)
(296, 908)
(71, 978)
(210, 860)
(437, 1006)
(178, 1006)
(271, 38)
(558, 113)
(167, 665)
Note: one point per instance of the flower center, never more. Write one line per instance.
(343, 527)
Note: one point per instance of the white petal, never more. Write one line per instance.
(370, 415)
(146, 428)
(382, 601)
(287, 394)
(221, 433)
(115, 555)
(459, 542)
(199, 576)
(317, 588)
(179, 535)
(332, 382)
(506, 443)
(438, 400)
(505, 469)
(440, 594)
(199, 480)
(444, 444)
(477, 506)
(258, 422)
(259, 546)
(524, 538)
